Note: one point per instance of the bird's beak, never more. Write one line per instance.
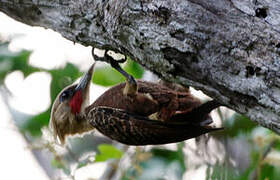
(86, 79)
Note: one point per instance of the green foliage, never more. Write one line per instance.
(270, 172)
(162, 161)
(239, 124)
(134, 69)
(106, 152)
(10, 61)
(220, 171)
(169, 156)
(34, 124)
(106, 76)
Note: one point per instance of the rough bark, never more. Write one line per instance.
(230, 49)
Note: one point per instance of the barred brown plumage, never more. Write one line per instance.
(133, 113)
(131, 129)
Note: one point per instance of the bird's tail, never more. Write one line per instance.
(198, 116)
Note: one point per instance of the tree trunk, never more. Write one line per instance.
(230, 49)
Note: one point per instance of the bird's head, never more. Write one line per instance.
(69, 107)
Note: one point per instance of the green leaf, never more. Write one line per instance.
(107, 152)
(170, 156)
(270, 172)
(134, 69)
(239, 124)
(107, 76)
(35, 123)
(277, 145)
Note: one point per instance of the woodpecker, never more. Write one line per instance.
(133, 113)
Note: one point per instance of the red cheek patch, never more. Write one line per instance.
(76, 102)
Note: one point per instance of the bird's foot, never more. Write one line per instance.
(131, 85)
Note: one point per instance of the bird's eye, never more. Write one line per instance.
(63, 96)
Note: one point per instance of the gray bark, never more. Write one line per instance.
(229, 49)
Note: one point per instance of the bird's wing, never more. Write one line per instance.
(138, 130)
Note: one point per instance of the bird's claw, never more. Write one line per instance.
(131, 86)
(107, 58)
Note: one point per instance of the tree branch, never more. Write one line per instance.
(230, 49)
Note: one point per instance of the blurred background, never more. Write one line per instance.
(36, 64)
